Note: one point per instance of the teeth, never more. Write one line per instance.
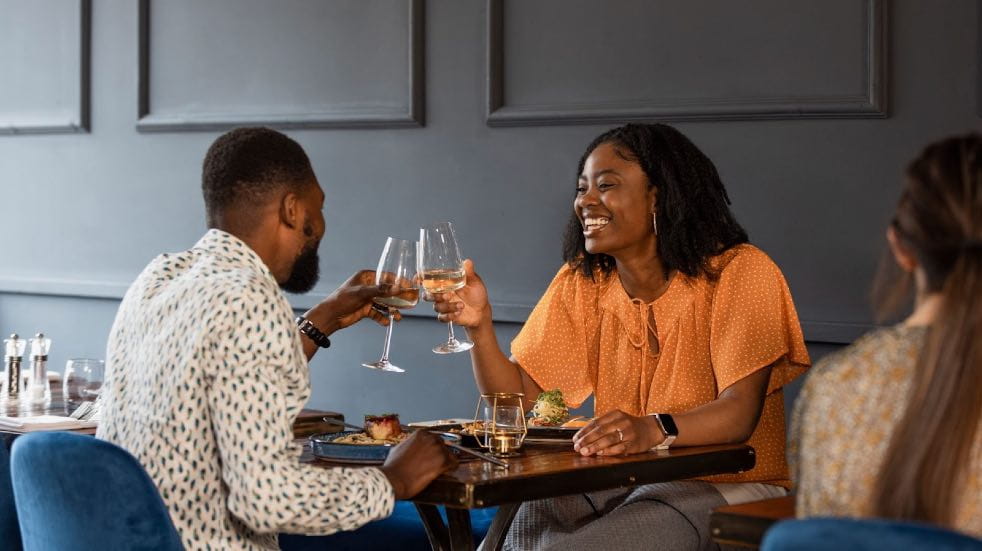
(592, 223)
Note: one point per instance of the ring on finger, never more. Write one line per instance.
(620, 435)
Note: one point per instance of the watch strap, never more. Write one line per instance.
(668, 427)
(307, 327)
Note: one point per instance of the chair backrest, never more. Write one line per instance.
(840, 534)
(9, 529)
(75, 492)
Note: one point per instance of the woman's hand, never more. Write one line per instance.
(617, 433)
(467, 306)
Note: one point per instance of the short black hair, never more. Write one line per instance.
(694, 218)
(243, 166)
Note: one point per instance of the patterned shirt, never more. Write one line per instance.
(589, 337)
(205, 375)
(843, 423)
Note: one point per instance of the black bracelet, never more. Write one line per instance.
(306, 327)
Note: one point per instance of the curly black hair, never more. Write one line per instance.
(694, 218)
(244, 165)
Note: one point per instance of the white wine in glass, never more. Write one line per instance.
(442, 271)
(396, 266)
(443, 280)
(404, 300)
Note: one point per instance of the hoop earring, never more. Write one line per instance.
(654, 222)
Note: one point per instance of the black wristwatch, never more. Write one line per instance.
(668, 428)
(306, 327)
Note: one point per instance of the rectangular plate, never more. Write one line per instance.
(552, 434)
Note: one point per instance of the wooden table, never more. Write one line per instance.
(550, 470)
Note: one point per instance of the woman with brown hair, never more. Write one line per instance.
(889, 427)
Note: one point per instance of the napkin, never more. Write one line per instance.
(43, 422)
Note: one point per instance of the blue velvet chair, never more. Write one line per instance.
(402, 530)
(9, 529)
(75, 492)
(840, 534)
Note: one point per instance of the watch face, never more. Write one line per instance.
(671, 429)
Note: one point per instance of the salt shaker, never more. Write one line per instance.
(13, 356)
(39, 390)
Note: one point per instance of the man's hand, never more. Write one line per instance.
(416, 462)
(351, 302)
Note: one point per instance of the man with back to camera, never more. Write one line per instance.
(206, 369)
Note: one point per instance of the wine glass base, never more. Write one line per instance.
(384, 366)
(453, 347)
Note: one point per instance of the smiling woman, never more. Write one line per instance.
(626, 170)
(682, 331)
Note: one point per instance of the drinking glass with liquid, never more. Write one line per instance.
(396, 266)
(442, 271)
(82, 379)
(501, 423)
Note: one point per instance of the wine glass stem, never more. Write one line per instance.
(451, 338)
(388, 338)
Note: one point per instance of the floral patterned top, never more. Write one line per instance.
(205, 375)
(843, 422)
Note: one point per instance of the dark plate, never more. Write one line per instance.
(324, 447)
(551, 433)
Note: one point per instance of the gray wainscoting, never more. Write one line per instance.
(681, 61)
(44, 66)
(291, 63)
(809, 110)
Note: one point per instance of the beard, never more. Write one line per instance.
(306, 268)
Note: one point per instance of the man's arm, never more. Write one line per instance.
(269, 490)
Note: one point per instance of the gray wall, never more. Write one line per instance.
(466, 110)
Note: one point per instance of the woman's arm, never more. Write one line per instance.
(493, 371)
(730, 418)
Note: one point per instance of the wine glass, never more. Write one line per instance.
(94, 372)
(396, 266)
(442, 271)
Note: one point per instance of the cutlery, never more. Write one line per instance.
(86, 411)
(484, 456)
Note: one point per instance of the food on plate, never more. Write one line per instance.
(549, 410)
(362, 439)
(383, 427)
(477, 427)
(380, 430)
(576, 423)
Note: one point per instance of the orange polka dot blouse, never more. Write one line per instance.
(589, 337)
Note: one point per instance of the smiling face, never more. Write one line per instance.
(614, 203)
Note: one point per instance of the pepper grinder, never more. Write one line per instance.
(13, 356)
(39, 390)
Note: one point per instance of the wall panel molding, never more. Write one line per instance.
(80, 122)
(414, 116)
(870, 104)
(815, 331)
